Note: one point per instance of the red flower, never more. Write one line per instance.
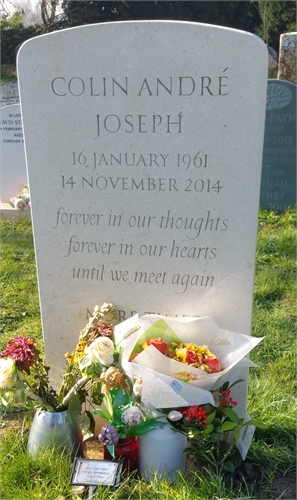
(23, 351)
(158, 343)
(192, 357)
(214, 364)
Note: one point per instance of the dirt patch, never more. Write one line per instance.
(282, 487)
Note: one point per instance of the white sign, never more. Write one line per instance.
(13, 163)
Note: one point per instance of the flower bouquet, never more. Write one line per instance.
(184, 357)
(22, 200)
(90, 368)
(126, 418)
(92, 374)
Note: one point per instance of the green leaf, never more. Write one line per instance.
(211, 417)
(143, 427)
(229, 466)
(97, 396)
(74, 405)
(236, 382)
(256, 423)
(208, 429)
(119, 398)
(232, 415)
(108, 403)
(92, 421)
(217, 422)
(228, 426)
(236, 433)
(84, 362)
(110, 448)
(102, 413)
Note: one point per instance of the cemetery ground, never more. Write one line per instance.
(269, 469)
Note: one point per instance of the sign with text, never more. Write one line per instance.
(13, 163)
(9, 93)
(278, 184)
(94, 472)
(144, 163)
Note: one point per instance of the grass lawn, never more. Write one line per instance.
(270, 463)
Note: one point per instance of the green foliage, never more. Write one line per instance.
(272, 385)
(213, 431)
(276, 17)
(13, 34)
(233, 14)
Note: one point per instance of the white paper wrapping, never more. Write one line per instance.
(160, 388)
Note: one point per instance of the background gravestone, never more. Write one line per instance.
(145, 173)
(9, 93)
(13, 172)
(278, 184)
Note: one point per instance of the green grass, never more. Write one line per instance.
(272, 396)
(20, 312)
(47, 477)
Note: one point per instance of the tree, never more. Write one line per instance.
(274, 19)
(225, 13)
(48, 9)
(13, 34)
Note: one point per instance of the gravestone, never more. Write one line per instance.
(287, 66)
(144, 173)
(278, 184)
(9, 93)
(13, 172)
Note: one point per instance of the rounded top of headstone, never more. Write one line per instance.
(279, 94)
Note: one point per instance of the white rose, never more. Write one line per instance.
(101, 351)
(7, 369)
(132, 416)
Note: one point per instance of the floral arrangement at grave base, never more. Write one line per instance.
(22, 200)
(184, 357)
(212, 430)
(24, 376)
(127, 419)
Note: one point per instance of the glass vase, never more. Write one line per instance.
(126, 450)
(55, 429)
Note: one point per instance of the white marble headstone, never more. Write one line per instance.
(13, 172)
(144, 147)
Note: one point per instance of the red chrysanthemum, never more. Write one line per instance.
(23, 351)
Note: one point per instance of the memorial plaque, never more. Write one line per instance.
(278, 184)
(144, 163)
(94, 472)
(13, 170)
(9, 93)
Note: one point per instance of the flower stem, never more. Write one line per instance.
(79, 384)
